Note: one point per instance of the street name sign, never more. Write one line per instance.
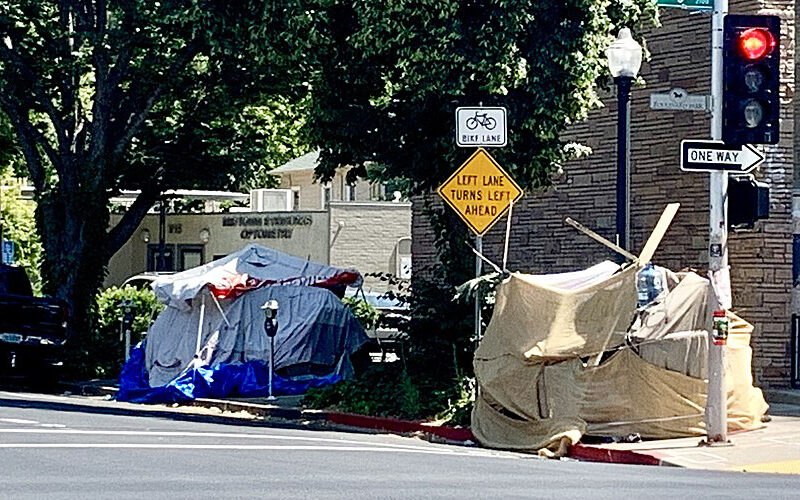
(7, 252)
(678, 99)
(716, 156)
(481, 126)
(687, 4)
(480, 191)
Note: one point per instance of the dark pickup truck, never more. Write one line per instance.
(33, 330)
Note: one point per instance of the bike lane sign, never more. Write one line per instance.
(481, 126)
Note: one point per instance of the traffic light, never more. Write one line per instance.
(748, 201)
(751, 73)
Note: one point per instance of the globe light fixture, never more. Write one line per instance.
(205, 235)
(624, 55)
(145, 235)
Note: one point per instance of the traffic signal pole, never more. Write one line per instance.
(716, 403)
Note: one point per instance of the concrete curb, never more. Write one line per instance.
(611, 456)
(400, 426)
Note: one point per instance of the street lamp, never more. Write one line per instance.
(624, 61)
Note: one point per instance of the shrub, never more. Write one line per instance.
(388, 390)
(364, 312)
(106, 356)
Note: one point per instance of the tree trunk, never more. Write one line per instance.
(73, 230)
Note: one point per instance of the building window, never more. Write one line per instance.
(154, 254)
(296, 198)
(190, 256)
(350, 192)
(326, 195)
(404, 258)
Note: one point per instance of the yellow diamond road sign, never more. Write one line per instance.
(480, 191)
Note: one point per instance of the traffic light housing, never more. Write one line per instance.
(751, 74)
(748, 201)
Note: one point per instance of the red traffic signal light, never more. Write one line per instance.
(751, 77)
(756, 43)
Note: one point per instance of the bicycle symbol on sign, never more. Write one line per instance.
(481, 119)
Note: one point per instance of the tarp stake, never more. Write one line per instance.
(200, 327)
(219, 307)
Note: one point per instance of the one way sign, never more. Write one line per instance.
(716, 156)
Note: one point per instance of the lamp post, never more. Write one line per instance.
(161, 263)
(624, 61)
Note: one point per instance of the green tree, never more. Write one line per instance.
(386, 78)
(19, 225)
(111, 94)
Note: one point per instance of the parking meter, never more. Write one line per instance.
(270, 309)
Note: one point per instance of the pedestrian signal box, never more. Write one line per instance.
(751, 74)
(748, 202)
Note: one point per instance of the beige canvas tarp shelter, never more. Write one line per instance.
(569, 354)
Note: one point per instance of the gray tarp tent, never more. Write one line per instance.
(198, 328)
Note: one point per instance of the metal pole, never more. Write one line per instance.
(478, 270)
(716, 404)
(1, 221)
(127, 344)
(623, 161)
(161, 263)
(271, 364)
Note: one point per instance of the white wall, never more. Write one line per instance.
(302, 234)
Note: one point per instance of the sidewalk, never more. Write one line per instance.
(774, 448)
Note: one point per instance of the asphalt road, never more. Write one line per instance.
(52, 450)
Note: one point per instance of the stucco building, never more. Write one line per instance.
(345, 225)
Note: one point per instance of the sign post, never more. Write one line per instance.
(480, 192)
(716, 403)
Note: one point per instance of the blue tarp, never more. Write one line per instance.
(246, 380)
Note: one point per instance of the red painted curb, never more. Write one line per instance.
(595, 454)
(398, 425)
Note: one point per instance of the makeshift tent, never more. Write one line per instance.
(539, 385)
(210, 340)
(568, 354)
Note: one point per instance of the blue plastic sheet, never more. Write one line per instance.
(245, 380)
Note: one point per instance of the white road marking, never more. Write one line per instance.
(251, 447)
(197, 434)
(18, 421)
(697, 457)
(54, 426)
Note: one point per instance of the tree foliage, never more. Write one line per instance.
(394, 72)
(110, 94)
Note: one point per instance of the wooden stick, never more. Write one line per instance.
(508, 235)
(591, 234)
